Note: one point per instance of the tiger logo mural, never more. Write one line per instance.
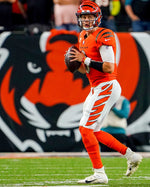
(36, 96)
(41, 101)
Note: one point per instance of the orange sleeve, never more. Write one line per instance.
(105, 37)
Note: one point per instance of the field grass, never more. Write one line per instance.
(67, 171)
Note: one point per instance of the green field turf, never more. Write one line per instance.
(67, 171)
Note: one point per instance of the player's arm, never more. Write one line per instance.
(107, 64)
(108, 58)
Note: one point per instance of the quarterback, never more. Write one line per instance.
(97, 54)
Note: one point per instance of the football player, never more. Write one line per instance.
(98, 57)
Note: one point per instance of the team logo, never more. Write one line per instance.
(38, 110)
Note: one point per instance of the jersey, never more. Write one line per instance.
(90, 47)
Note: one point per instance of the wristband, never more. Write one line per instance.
(97, 65)
(87, 61)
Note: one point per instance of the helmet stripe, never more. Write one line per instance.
(88, 6)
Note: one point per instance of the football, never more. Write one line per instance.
(72, 66)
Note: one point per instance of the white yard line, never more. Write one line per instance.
(63, 154)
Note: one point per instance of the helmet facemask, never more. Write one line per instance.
(95, 22)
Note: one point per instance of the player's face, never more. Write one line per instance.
(87, 21)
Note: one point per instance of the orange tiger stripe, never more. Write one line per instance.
(97, 110)
(105, 86)
(100, 101)
(99, 104)
(93, 118)
(107, 91)
(89, 123)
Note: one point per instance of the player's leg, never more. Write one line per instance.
(133, 159)
(92, 146)
(108, 140)
(92, 110)
(104, 137)
(88, 137)
(111, 142)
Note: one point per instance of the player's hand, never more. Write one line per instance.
(76, 55)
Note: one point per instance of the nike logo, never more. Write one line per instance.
(91, 181)
(107, 40)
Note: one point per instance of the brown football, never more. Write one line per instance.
(72, 66)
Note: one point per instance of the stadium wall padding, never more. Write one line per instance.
(41, 101)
